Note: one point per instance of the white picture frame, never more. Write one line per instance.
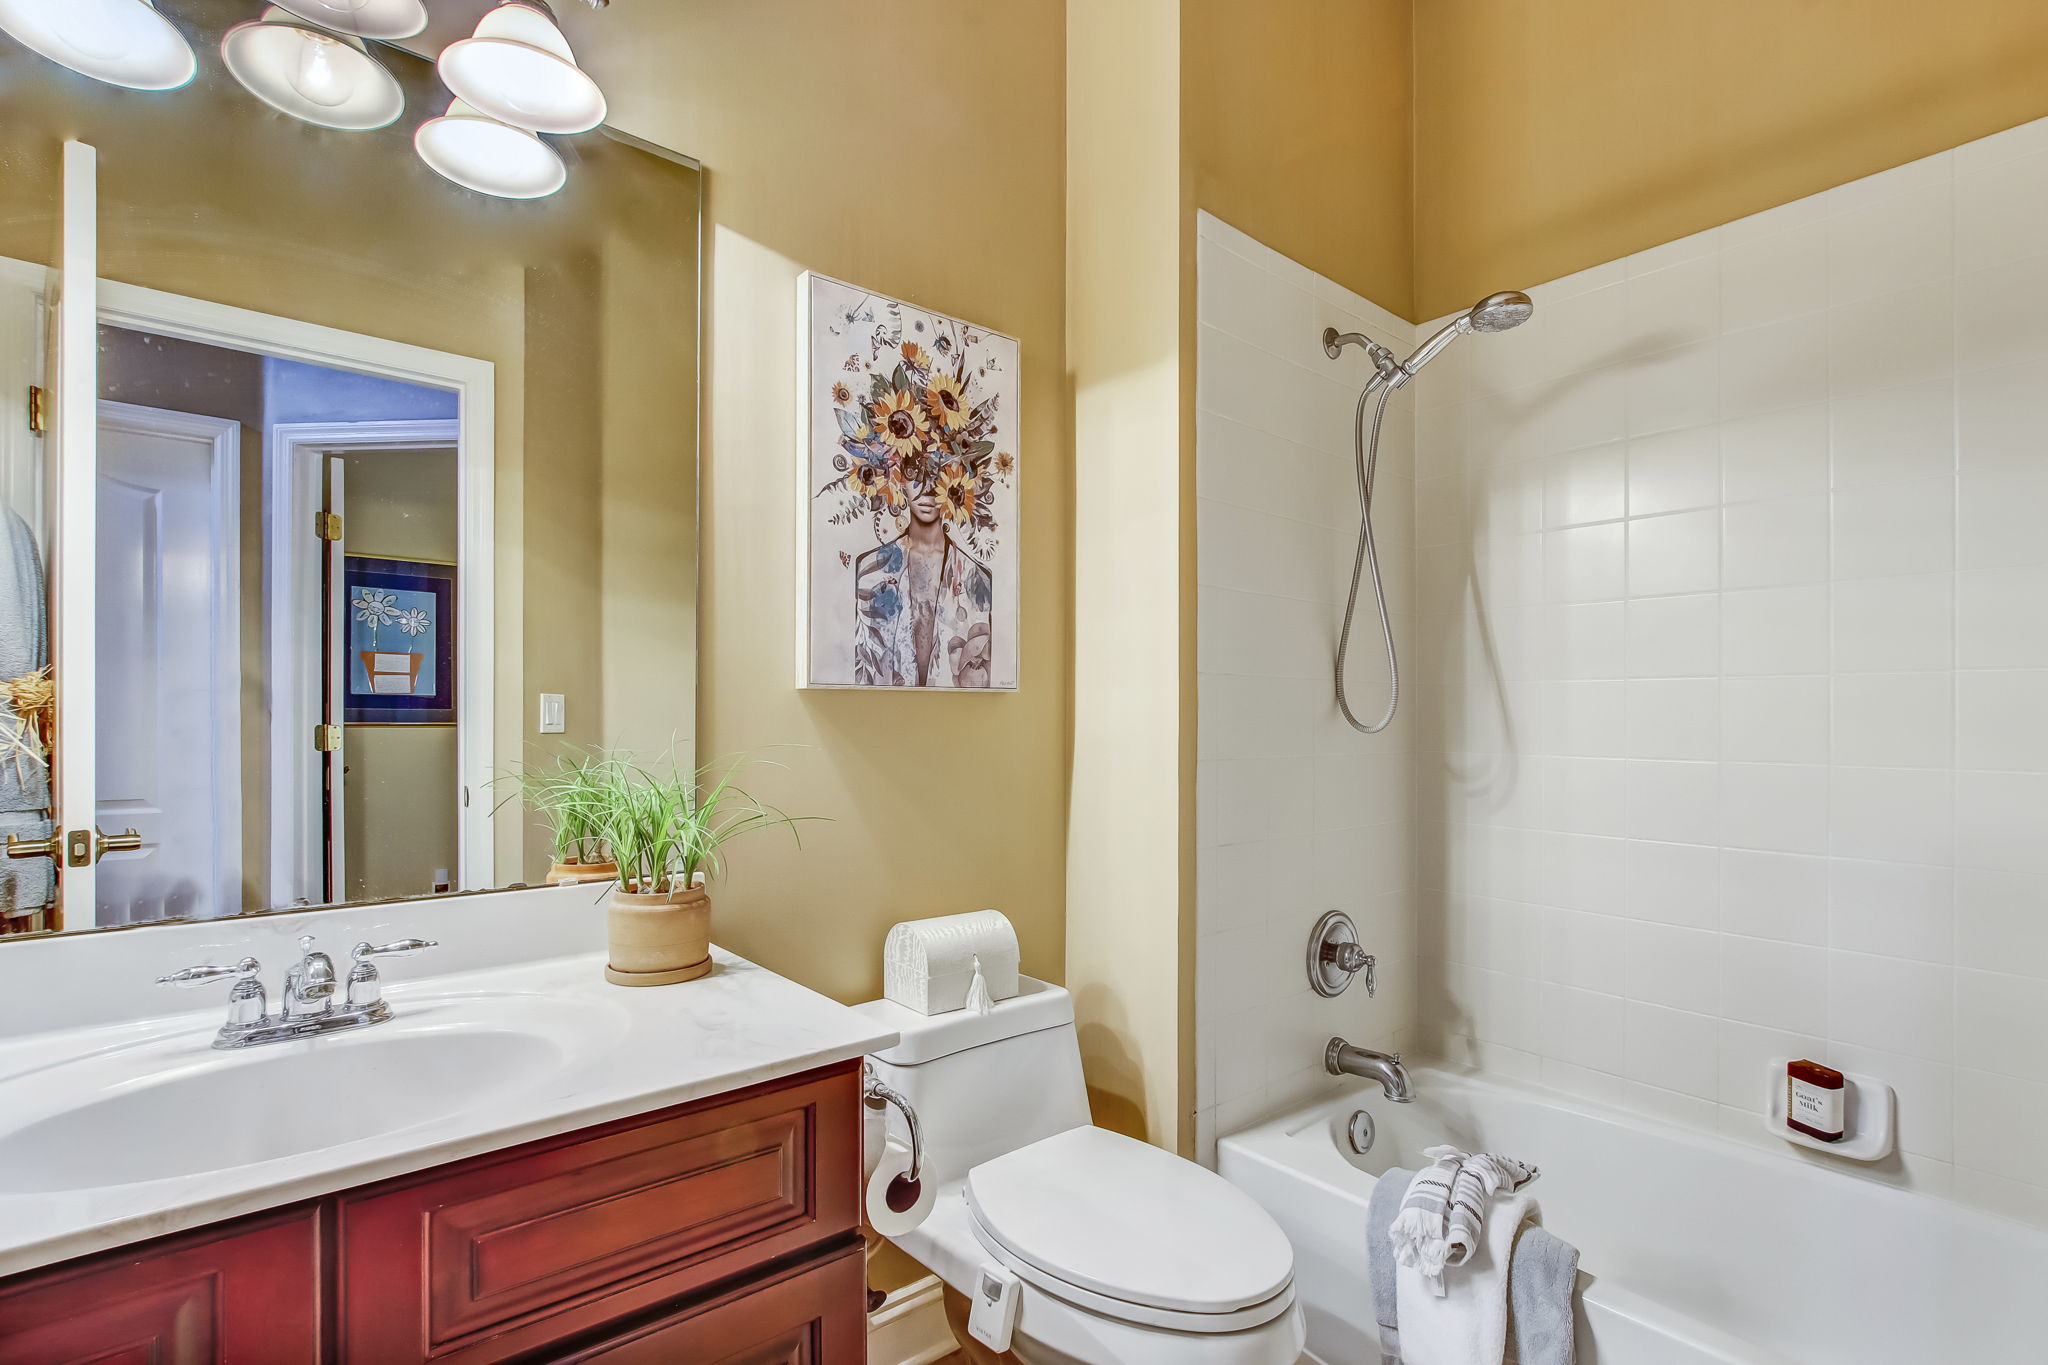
(909, 463)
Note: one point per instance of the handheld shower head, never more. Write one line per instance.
(1499, 312)
(1494, 313)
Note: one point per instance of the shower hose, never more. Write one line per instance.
(1366, 455)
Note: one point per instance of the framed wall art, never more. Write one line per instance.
(909, 465)
(399, 659)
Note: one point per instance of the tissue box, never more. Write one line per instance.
(928, 964)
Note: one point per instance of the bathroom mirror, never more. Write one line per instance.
(394, 490)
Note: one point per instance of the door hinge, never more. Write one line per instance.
(38, 409)
(327, 525)
(327, 739)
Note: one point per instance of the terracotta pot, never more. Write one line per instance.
(562, 874)
(659, 940)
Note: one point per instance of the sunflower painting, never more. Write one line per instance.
(909, 464)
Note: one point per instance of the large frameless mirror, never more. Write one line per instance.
(392, 484)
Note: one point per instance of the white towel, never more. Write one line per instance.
(1468, 1325)
(1445, 1208)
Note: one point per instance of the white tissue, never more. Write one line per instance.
(883, 1219)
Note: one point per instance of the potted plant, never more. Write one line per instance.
(566, 796)
(665, 829)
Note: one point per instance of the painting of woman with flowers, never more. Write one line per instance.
(909, 441)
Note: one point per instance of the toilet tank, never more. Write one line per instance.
(985, 1084)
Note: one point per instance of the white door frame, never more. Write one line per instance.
(73, 489)
(473, 382)
(226, 715)
(291, 570)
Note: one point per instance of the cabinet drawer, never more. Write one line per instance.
(240, 1293)
(507, 1253)
(813, 1314)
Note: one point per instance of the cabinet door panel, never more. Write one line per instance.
(509, 1253)
(814, 1314)
(240, 1293)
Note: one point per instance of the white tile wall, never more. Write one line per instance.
(1295, 814)
(1732, 670)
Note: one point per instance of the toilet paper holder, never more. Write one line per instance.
(876, 1093)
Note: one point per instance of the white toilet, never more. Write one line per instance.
(1128, 1255)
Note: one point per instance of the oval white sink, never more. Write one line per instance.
(179, 1108)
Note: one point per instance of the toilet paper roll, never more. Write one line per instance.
(883, 1219)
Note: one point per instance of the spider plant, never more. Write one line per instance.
(568, 794)
(667, 828)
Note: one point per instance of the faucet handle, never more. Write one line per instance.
(199, 976)
(404, 947)
(365, 991)
(247, 1003)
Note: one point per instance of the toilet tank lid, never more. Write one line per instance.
(928, 1037)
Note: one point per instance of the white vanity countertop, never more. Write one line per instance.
(633, 1051)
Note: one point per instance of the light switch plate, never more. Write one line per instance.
(554, 713)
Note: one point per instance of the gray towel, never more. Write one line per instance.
(1387, 1193)
(1542, 1278)
(1542, 1284)
(26, 885)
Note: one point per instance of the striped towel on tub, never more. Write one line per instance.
(1444, 1213)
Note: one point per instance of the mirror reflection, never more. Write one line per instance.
(393, 489)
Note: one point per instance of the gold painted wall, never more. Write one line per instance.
(1553, 135)
(1297, 130)
(1126, 939)
(828, 145)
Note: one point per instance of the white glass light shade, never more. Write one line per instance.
(121, 42)
(310, 74)
(490, 157)
(518, 69)
(380, 19)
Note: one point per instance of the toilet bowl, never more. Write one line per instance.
(1125, 1254)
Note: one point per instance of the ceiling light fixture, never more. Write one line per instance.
(517, 68)
(490, 157)
(383, 20)
(121, 42)
(311, 74)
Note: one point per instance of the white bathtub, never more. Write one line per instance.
(1693, 1250)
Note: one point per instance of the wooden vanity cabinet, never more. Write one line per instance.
(722, 1231)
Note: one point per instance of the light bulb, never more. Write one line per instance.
(312, 75)
(315, 76)
(121, 42)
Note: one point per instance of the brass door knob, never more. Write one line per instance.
(127, 841)
(52, 847)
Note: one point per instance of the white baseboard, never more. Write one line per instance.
(910, 1326)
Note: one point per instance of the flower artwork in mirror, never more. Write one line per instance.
(909, 462)
(370, 461)
(400, 658)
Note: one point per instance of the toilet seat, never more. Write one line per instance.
(1132, 1232)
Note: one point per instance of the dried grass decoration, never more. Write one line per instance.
(26, 735)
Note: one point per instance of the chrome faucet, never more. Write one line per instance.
(309, 987)
(1342, 1059)
(314, 1000)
